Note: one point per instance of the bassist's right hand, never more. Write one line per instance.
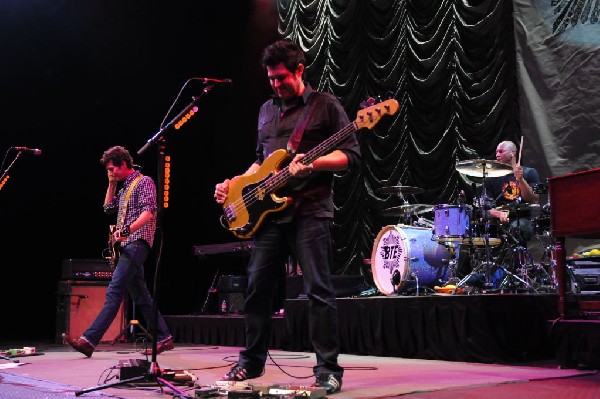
(221, 190)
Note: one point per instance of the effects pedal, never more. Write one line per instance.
(206, 392)
(298, 392)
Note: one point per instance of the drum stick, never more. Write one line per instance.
(520, 151)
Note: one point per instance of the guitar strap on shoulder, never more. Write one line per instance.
(126, 201)
(294, 141)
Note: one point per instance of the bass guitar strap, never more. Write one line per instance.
(296, 136)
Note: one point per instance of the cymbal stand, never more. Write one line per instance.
(548, 266)
(405, 219)
(482, 204)
(452, 277)
(517, 249)
(479, 266)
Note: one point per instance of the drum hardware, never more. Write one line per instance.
(396, 280)
(483, 168)
(422, 222)
(401, 190)
(540, 188)
(452, 262)
(544, 273)
(407, 209)
(519, 206)
(517, 248)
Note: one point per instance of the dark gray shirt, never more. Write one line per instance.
(311, 195)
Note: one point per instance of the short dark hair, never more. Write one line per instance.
(117, 155)
(283, 52)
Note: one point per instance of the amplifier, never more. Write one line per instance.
(587, 273)
(77, 305)
(229, 283)
(86, 269)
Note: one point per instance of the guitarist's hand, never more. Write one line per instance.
(221, 191)
(298, 169)
(118, 237)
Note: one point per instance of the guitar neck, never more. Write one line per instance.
(279, 179)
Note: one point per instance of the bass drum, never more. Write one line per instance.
(404, 256)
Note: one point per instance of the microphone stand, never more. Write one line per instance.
(5, 176)
(154, 372)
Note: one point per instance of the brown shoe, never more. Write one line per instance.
(162, 346)
(80, 345)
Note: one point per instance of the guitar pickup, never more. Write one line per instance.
(229, 213)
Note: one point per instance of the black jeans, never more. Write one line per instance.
(309, 239)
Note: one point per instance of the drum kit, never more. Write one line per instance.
(419, 255)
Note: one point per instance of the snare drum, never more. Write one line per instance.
(477, 234)
(451, 223)
(405, 253)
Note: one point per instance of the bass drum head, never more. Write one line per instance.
(388, 256)
(402, 253)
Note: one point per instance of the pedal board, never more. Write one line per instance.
(132, 368)
(298, 392)
(137, 368)
(236, 389)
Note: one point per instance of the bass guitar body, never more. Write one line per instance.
(251, 197)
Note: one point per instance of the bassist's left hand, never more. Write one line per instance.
(298, 169)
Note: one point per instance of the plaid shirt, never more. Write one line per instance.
(143, 198)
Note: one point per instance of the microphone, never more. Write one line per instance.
(215, 82)
(34, 151)
(507, 189)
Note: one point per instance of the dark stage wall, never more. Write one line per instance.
(79, 77)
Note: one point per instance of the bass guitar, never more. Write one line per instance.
(111, 253)
(251, 198)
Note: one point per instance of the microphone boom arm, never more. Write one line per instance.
(177, 121)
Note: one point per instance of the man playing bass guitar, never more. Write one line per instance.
(298, 119)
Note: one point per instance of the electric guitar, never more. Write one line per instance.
(111, 254)
(251, 198)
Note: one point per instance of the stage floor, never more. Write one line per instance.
(60, 373)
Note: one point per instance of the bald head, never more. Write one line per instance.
(505, 152)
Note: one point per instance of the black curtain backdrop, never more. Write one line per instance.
(451, 66)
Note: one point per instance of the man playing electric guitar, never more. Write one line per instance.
(299, 119)
(135, 206)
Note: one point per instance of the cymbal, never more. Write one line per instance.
(406, 209)
(518, 207)
(400, 190)
(476, 167)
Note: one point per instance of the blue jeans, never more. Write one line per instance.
(128, 276)
(309, 240)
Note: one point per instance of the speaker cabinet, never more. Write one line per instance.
(77, 305)
(234, 301)
(232, 290)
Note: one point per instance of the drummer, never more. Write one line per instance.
(511, 191)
